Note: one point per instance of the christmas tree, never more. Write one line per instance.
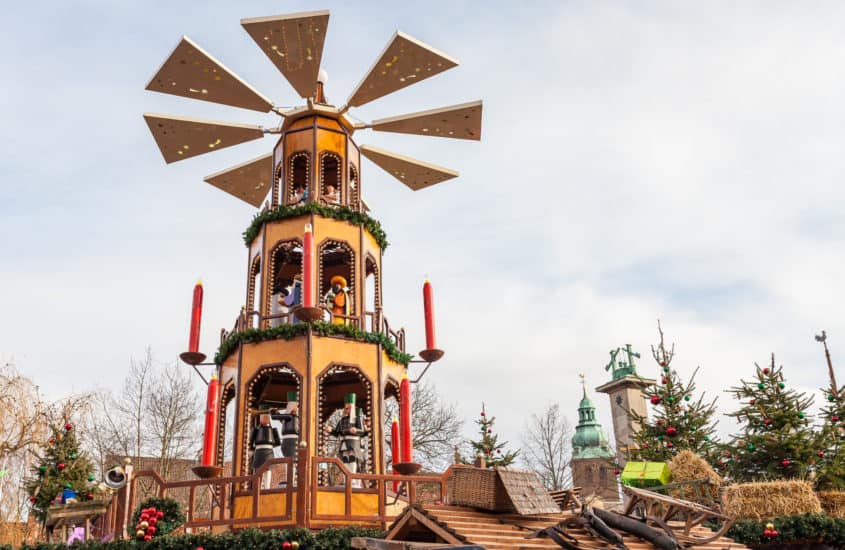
(63, 471)
(488, 446)
(679, 421)
(776, 439)
(830, 456)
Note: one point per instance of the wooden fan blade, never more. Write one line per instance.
(294, 43)
(180, 138)
(192, 72)
(458, 121)
(403, 62)
(414, 173)
(249, 181)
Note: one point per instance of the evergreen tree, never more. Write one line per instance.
(488, 446)
(830, 456)
(62, 465)
(679, 421)
(776, 439)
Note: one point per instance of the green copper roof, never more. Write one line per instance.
(589, 440)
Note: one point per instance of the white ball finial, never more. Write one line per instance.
(322, 77)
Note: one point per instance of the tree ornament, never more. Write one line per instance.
(671, 431)
(687, 398)
(139, 533)
(766, 370)
(91, 477)
(482, 413)
(68, 426)
(767, 421)
(830, 397)
(761, 386)
(670, 444)
(665, 368)
(655, 400)
(660, 437)
(706, 438)
(52, 441)
(751, 447)
(32, 499)
(60, 466)
(834, 418)
(72, 455)
(781, 385)
(785, 463)
(616, 472)
(42, 469)
(286, 545)
(68, 485)
(89, 496)
(147, 538)
(663, 363)
(801, 415)
(670, 399)
(752, 402)
(294, 545)
(820, 453)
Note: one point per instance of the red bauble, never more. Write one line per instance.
(785, 462)
(144, 517)
(820, 453)
(68, 426)
(499, 451)
(662, 380)
(60, 465)
(767, 421)
(147, 537)
(286, 545)
(752, 401)
(645, 445)
(32, 499)
(482, 413)
(151, 530)
(834, 418)
(153, 520)
(52, 441)
(159, 514)
(89, 496)
(766, 370)
(489, 431)
(670, 444)
(671, 431)
(663, 363)
(616, 472)
(655, 400)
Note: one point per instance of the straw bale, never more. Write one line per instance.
(769, 499)
(688, 466)
(833, 503)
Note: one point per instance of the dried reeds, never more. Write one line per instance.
(833, 503)
(770, 499)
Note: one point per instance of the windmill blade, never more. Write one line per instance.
(294, 43)
(192, 72)
(249, 181)
(458, 121)
(416, 174)
(403, 62)
(180, 138)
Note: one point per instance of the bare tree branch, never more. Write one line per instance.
(546, 446)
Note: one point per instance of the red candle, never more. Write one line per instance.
(405, 419)
(428, 305)
(395, 447)
(196, 316)
(212, 418)
(308, 295)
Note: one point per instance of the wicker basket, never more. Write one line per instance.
(478, 488)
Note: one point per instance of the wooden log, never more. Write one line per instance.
(638, 529)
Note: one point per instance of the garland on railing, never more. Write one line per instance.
(341, 213)
(805, 528)
(298, 538)
(322, 328)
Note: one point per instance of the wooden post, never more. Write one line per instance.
(302, 487)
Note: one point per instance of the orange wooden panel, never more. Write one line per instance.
(331, 141)
(329, 123)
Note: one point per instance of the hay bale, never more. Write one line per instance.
(688, 466)
(833, 503)
(770, 499)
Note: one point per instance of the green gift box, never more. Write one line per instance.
(646, 474)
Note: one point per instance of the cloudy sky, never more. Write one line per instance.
(679, 161)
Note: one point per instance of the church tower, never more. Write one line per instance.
(592, 458)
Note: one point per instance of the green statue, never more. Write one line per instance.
(621, 369)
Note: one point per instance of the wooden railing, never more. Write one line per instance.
(301, 507)
(222, 491)
(370, 321)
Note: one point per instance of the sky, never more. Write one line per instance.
(638, 161)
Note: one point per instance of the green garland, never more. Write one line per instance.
(341, 213)
(322, 328)
(805, 528)
(332, 538)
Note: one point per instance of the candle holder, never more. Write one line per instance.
(207, 472)
(192, 358)
(407, 468)
(308, 314)
(432, 355)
